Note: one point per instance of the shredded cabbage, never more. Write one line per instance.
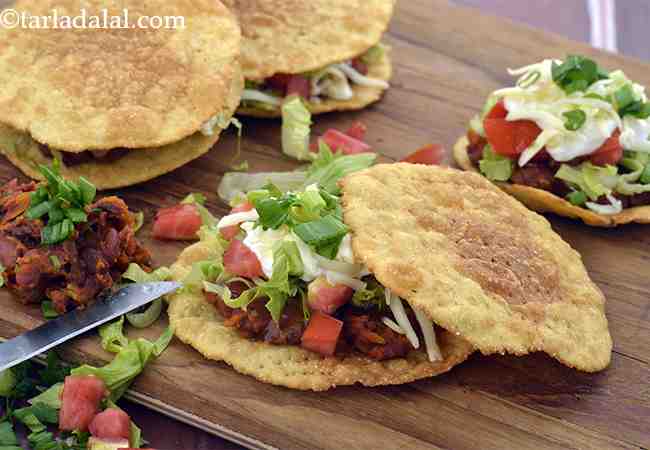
(360, 79)
(259, 96)
(615, 206)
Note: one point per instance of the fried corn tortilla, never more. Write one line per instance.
(363, 95)
(134, 167)
(297, 36)
(543, 201)
(477, 261)
(99, 89)
(198, 324)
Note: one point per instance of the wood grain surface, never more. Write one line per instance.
(446, 64)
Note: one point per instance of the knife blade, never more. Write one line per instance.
(65, 327)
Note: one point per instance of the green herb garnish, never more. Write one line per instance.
(577, 73)
(62, 201)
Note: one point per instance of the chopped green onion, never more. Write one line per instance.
(59, 232)
(322, 231)
(76, 215)
(47, 308)
(574, 120)
(577, 198)
(38, 210)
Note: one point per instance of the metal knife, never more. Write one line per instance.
(74, 323)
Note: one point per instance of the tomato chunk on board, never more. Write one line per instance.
(241, 261)
(111, 423)
(322, 334)
(357, 131)
(179, 222)
(341, 142)
(610, 153)
(508, 138)
(80, 401)
(327, 298)
(230, 232)
(430, 155)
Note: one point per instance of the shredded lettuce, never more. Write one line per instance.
(132, 356)
(296, 128)
(143, 319)
(494, 166)
(594, 181)
(328, 168)
(235, 185)
(207, 270)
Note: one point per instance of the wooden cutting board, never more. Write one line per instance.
(447, 60)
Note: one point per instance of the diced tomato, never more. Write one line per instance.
(299, 85)
(327, 298)
(509, 138)
(241, 261)
(279, 81)
(111, 423)
(322, 334)
(357, 131)
(338, 141)
(498, 111)
(360, 66)
(180, 222)
(610, 152)
(431, 155)
(230, 232)
(80, 401)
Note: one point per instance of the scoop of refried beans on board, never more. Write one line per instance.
(60, 244)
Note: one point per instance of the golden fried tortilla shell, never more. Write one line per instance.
(477, 262)
(198, 324)
(296, 36)
(543, 201)
(99, 89)
(134, 167)
(363, 95)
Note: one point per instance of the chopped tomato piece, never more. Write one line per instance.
(322, 334)
(610, 152)
(279, 81)
(241, 261)
(180, 222)
(431, 155)
(230, 232)
(111, 423)
(360, 66)
(299, 85)
(80, 401)
(327, 298)
(509, 138)
(338, 141)
(498, 111)
(357, 131)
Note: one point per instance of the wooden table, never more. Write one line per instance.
(498, 378)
